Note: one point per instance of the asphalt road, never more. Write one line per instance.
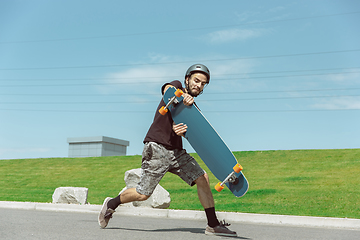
(32, 224)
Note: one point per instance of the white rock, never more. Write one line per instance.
(73, 195)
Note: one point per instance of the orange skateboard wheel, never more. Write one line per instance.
(162, 110)
(178, 92)
(218, 187)
(238, 168)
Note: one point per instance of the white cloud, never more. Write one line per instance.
(141, 75)
(239, 66)
(276, 9)
(235, 34)
(142, 83)
(339, 103)
(225, 75)
(346, 77)
(149, 78)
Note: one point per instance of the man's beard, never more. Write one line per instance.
(193, 94)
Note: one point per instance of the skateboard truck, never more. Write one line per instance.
(164, 109)
(230, 178)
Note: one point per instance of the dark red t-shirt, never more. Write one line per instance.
(161, 130)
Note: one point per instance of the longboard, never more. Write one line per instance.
(206, 142)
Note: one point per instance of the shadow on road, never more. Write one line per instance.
(191, 230)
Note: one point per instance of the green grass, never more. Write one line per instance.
(298, 182)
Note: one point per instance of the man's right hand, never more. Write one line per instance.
(188, 99)
(180, 129)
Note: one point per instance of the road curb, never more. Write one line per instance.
(301, 221)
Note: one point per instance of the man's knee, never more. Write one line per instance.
(142, 197)
(131, 195)
(203, 179)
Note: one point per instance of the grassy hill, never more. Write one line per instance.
(297, 182)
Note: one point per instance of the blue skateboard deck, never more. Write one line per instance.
(206, 142)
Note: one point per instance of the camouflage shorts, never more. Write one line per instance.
(157, 161)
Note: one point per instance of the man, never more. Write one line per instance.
(163, 152)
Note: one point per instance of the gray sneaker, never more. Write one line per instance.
(105, 214)
(220, 230)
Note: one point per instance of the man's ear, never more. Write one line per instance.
(187, 80)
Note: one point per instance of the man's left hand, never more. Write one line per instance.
(180, 129)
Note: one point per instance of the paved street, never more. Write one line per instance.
(31, 224)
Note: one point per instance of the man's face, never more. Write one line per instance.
(196, 83)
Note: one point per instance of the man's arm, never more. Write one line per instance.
(180, 129)
(166, 88)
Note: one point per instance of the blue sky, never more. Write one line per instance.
(285, 74)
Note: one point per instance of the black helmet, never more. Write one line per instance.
(198, 68)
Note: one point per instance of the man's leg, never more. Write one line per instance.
(154, 167)
(110, 204)
(206, 198)
(129, 195)
(204, 192)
